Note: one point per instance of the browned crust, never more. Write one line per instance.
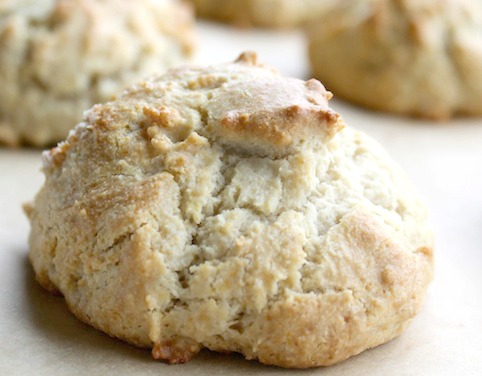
(175, 351)
(248, 57)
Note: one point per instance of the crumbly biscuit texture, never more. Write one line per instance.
(415, 57)
(60, 57)
(229, 208)
(264, 13)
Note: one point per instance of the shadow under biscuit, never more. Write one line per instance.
(50, 316)
(64, 335)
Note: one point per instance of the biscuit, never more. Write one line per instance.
(420, 58)
(229, 208)
(60, 57)
(263, 13)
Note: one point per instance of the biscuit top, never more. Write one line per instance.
(271, 115)
(242, 106)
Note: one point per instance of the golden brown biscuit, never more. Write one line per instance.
(228, 207)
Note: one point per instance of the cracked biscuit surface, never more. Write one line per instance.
(229, 208)
(60, 57)
(411, 57)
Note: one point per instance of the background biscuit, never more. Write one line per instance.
(265, 13)
(421, 58)
(59, 57)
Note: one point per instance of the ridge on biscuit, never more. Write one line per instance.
(266, 115)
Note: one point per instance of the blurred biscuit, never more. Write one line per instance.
(411, 57)
(264, 13)
(59, 57)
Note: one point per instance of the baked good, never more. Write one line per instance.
(228, 207)
(411, 57)
(264, 13)
(60, 57)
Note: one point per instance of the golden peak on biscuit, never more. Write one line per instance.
(243, 105)
(248, 57)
